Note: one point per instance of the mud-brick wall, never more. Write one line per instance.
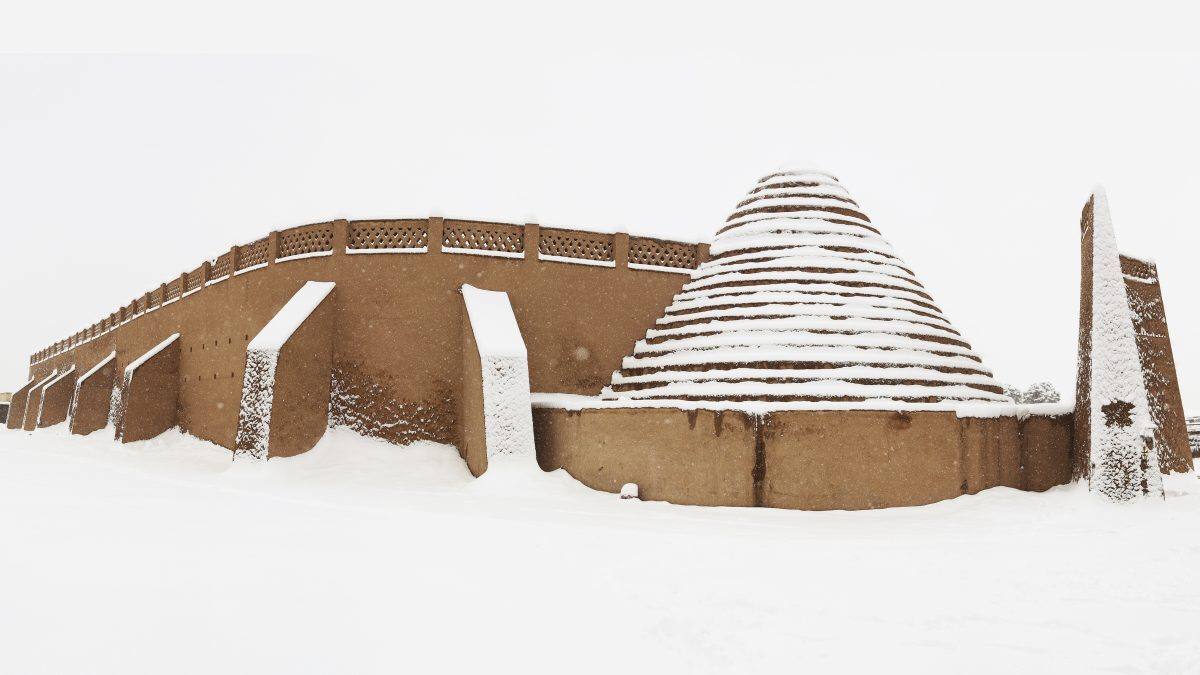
(398, 315)
(1158, 363)
(813, 460)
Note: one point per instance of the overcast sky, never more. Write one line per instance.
(972, 142)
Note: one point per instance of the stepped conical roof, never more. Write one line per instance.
(804, 303)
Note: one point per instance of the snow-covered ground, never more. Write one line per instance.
(164, 556)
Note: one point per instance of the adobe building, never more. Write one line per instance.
(5, 400)
(796, 362)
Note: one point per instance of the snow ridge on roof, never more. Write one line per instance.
(803, 301)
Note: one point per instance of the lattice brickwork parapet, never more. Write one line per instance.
(388, 235)
(661, 253)
(576, 244)
(480, 236)
(252, 254)
(221, 266)
(194, 279)
(399, 235)
(305, 240)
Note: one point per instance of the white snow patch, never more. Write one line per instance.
(1021, 411)
(961, 408)
(36, 387)
(285, 322)
(84, 378)
(258, 397)
(578, 261)
(365, 251)
(51, 383)
(96, 368)
(660, 268)
(139, 361)
(303, 256)
(262, 359)
(1117, 449)
(483, 252)
(251, 268)
(493, 323)
(508, 414)
(138, 556)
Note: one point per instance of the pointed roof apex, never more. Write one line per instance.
(1100, 212)
(799, 170)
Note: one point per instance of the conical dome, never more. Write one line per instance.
(802, 302)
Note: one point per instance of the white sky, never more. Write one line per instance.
(972, 140)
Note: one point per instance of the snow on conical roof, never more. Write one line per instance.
(803, 303)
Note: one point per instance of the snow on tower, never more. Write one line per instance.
(804, 304)
(1122, 465)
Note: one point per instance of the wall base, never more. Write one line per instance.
(810, 460)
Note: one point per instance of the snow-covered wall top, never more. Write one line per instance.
(803, 302)
(493, 323)
(504, 369)
(96, 368)
(277, 331)
(61, 376)
(1119, 406)
(36, 387)
(137, 363)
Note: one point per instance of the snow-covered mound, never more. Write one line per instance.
(803, 300)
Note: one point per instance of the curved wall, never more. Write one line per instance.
(581, 298)
(804, 459)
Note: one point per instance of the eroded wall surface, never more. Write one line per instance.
(149, 402)
(93, 398)
(56, 399)
(1158, 364)
(812, 460)
(1083, 368)
(1144, 295)
(16, 407)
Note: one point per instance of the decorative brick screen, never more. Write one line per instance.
(254, 253)
(156, 297)
(388, 234)
(220, 266)
(484, 236)
(173, 290)
(193, 278)
(576, 244)
(307, 239)
(1138, 268)
(660, 253)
